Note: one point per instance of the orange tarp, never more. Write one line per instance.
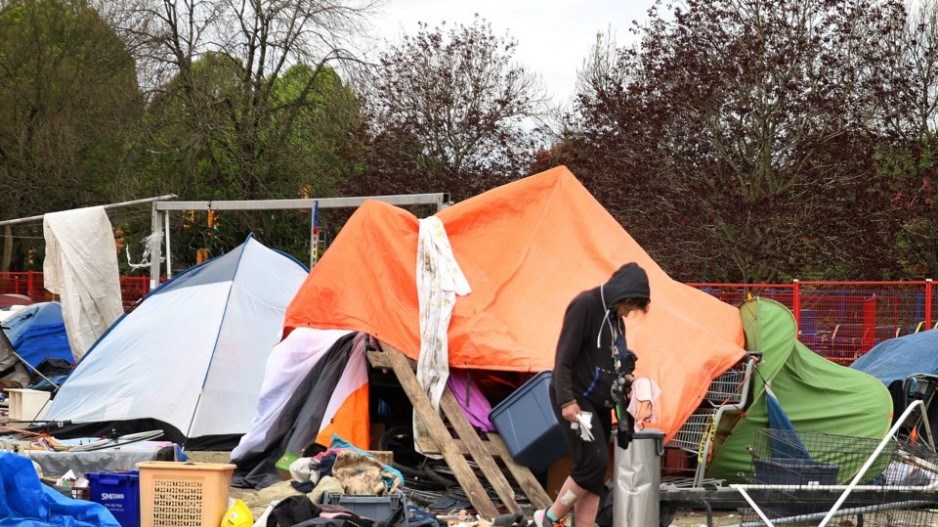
(527, 248)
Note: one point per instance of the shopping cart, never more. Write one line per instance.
(728, 394)
(810, 478)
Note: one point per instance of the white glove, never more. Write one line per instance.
(584, 425)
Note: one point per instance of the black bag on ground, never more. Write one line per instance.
(292, 511)
(336, 522)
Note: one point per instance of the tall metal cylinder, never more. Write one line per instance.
(637, 480)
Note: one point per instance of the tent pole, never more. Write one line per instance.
(36, 371)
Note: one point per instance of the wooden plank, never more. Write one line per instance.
(428, 447)
(439, 434)
(477, 450)
(379, 359)
(529, 484)
(495, 446)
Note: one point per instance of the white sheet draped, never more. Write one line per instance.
(439, 280)
(81, 267)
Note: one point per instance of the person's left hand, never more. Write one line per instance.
(570, 412)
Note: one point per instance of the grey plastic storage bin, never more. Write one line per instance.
(377, 508)
(528, 425)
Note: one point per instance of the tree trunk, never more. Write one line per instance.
(7, 249)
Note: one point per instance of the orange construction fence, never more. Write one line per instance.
(839, 320)
(843, 320)
(30, 283)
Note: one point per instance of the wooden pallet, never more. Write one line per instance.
(454, 451)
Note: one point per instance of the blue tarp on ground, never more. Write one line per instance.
(26, 502)
(896, 359)
(38, 332)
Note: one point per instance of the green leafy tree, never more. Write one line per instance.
(235, 89)
(241, 123)
(69, 98)
(315, 113)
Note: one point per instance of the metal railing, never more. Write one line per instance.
(843, 320)
(30, 283)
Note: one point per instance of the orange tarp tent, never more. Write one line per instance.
(527, 248)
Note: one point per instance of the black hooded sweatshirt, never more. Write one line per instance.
(583, 367)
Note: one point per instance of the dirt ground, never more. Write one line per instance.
(697, 518)
(209, 456)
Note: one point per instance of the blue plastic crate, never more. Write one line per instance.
(528, 425)
(119, 492)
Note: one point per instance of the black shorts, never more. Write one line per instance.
(590, 458)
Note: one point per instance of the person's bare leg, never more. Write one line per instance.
(586, 509)
(568, 496)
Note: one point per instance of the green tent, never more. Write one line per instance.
(818, 395)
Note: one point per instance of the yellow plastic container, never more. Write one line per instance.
(238, 515)
(183, 494)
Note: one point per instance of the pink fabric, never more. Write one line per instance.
(476, 407)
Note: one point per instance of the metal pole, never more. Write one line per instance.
(156, 242)
(742, 490)
(37, 372)
(796, 304)
(33, 219)
(314, 236)
(803, 518)
(928, 305)
(169, 253)
(437, 199)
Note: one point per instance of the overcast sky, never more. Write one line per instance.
(554, 36)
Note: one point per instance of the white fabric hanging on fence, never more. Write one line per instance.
(81, 267)
(439, 280)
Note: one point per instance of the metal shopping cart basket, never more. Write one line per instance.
(814, 478)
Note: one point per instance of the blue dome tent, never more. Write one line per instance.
(190, 359)
(37, 332)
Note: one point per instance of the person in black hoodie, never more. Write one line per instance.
(592, 370)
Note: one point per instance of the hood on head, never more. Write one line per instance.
(630, 281)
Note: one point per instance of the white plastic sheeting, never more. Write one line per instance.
(192, 354)
(81, 267)
(287, 366)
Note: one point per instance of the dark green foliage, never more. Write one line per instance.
(68, 99)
